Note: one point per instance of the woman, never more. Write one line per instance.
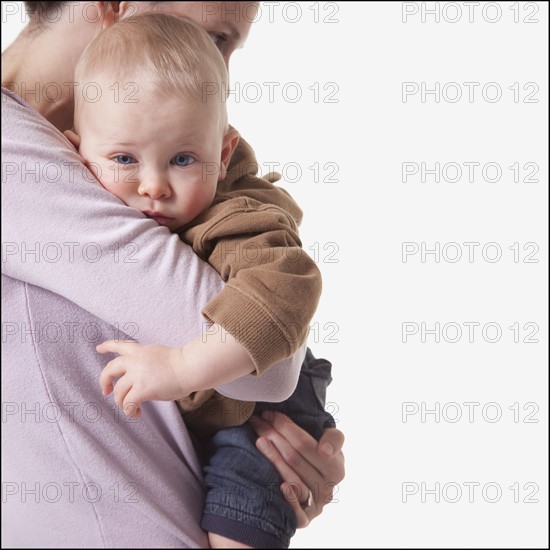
(76, 472)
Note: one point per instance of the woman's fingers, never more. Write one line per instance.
(291, 465)
(267, 448)
(293, 497)
(331, 469)
(311, 471)
(330, 451)
(295, 491)
(298, 442)
(331, 443)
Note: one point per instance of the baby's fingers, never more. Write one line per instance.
(116, 346)
(122, 388)
(114, 369)
(132, 404)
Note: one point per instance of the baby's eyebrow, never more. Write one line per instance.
(119, 144)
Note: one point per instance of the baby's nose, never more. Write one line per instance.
(155, 186)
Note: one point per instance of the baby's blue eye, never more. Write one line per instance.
(183, 160)
(125, 159)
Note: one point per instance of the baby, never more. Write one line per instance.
(157, 136)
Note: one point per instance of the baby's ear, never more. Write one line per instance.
(229, 144)
(73, 138)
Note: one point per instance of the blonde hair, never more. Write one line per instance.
(166, 54)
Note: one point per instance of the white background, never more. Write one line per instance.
(355, 226)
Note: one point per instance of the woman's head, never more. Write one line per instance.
(228, 23)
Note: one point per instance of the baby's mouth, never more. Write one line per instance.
(158, 217)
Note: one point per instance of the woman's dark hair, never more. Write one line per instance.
(40, 8)
(41, 13)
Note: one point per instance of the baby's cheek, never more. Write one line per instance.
(118, 180)
(207, 192)
(198, 199)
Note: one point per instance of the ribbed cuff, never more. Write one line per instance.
(241, 532)
(252, 326)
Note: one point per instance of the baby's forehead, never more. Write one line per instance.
(154, 113)
(141, 91)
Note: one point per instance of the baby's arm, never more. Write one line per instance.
(155, 372)
(250, 236)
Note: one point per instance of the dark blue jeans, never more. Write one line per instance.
(243, 498)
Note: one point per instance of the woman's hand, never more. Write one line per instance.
(311, 471)
(144, 373)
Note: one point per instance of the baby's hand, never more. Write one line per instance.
(144, 373)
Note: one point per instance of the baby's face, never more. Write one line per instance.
(160, 155)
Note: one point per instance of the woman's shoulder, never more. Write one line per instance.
(24, 130)
(14, 107)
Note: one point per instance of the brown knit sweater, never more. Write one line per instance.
(250, 236)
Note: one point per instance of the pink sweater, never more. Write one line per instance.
(80, 267)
